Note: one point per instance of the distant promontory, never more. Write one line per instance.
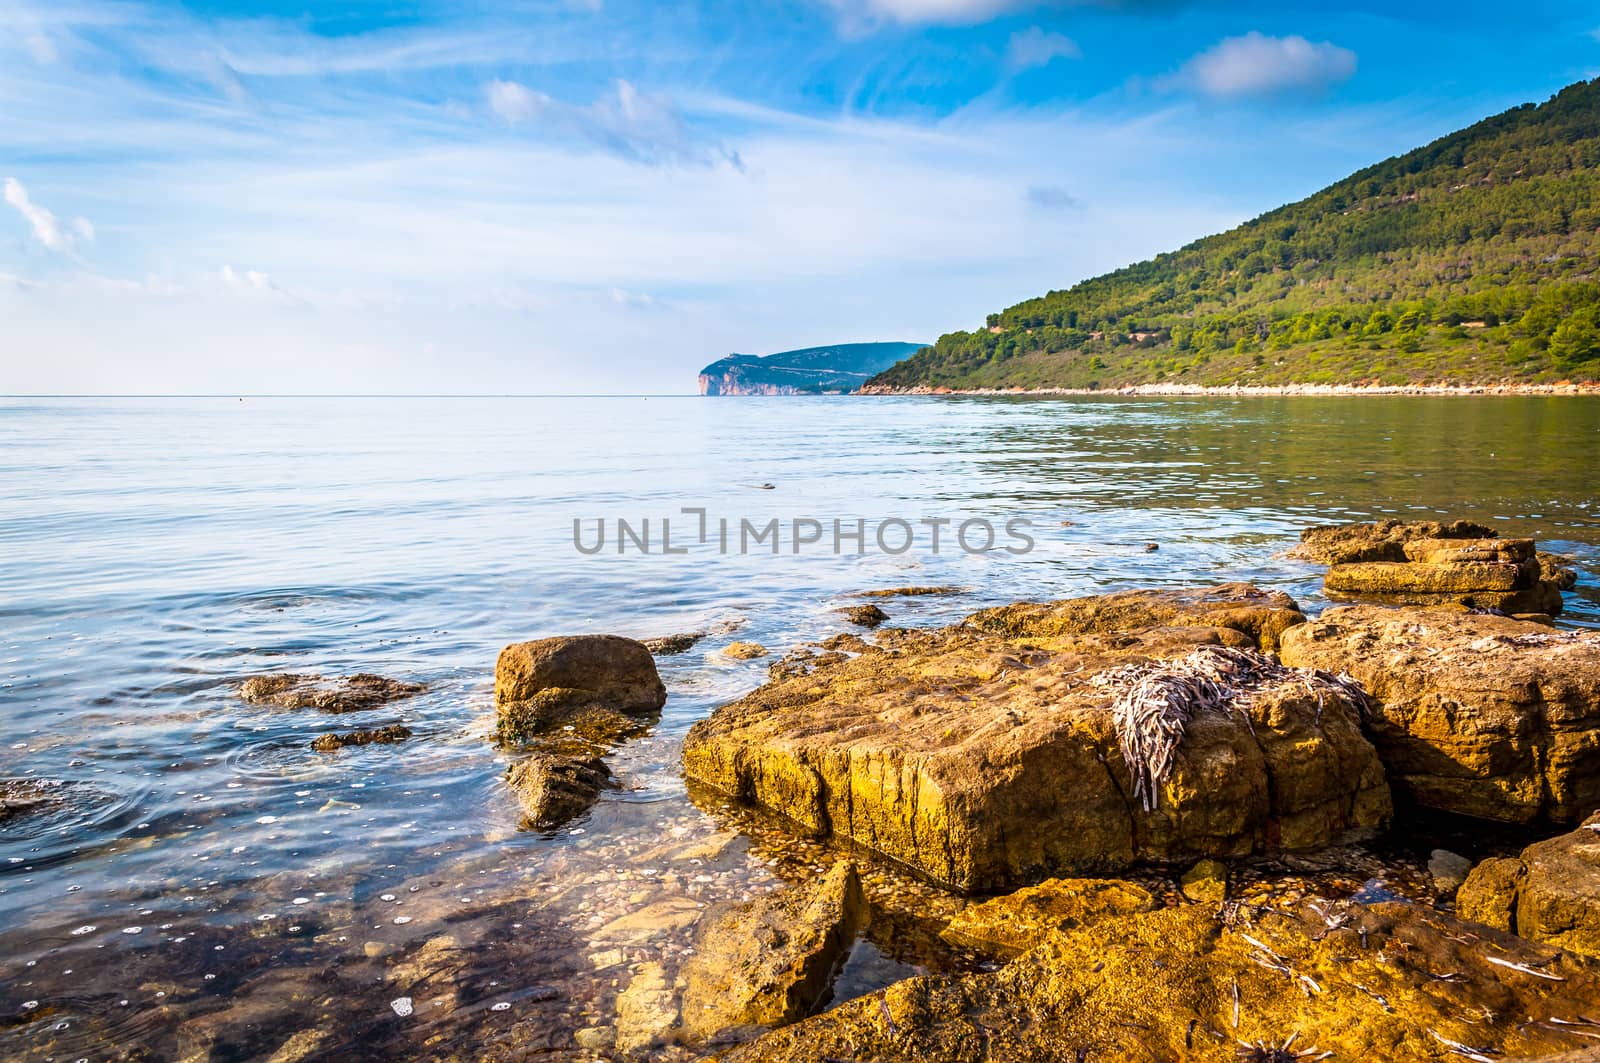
(836, 370)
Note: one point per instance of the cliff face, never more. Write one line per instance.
(836, 370)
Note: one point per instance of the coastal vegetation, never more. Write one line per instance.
(1468, 261)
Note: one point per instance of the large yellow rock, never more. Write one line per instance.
(1551, 893)
(985, 762)
(1454, 577)
(1443, 551)
(1478, 715)
(1016, 922)
(1386, 982)
(1383, 540)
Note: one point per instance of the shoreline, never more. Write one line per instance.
(1253, 390)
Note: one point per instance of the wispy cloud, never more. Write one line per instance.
(642, 127)
(1034, 47)
(1052, 197)
(47, 229)
(1258, 65)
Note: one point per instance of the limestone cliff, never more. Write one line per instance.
(835, 370)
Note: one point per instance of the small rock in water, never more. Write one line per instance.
(1449, 870)
(864, 615)
(744, 651)
(1151, 548)
(332, 743)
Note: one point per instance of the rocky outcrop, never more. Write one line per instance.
(350, 694)
(1387, 981)
(672, 645)
(556, 788)
(567, 702)
(835, 370)
(1260, 616)
(1549, 894)
(332, 742)
(605, 670)
(771, 961)
(1383, 540)
(744, 651)
(1016, 922)
(1429, 563)
(864, 615)
(1479, 715)
(984, 760)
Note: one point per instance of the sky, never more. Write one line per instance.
(602, 196)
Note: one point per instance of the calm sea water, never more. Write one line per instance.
(217, 889)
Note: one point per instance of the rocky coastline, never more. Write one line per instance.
(1161, 823)
(1587, 387)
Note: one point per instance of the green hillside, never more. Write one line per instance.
(1470, 260)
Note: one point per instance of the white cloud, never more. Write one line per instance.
(46, 228)
(1033, 47)
(1258, 65)
(642, 127)
(860, 16)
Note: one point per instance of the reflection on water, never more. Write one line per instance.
(207, 886)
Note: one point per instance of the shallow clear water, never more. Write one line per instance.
(153, 552)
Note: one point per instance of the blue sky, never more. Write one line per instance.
(602, 195)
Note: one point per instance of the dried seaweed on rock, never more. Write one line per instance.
(1154, 702)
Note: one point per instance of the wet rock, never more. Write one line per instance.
(1385, 981)
(303, 691)
(672, 645)
(986, 762)
(1449, 870)
(1428, 563)
(332, 742)
(1206, 882)
(1489, 894)
(1383, 540)
(1455, 577)
(554, 789)
(772, 960)
(744, 651)
(22, 797)
(1557, 570)
(595, 1038)
(565, 721)
(1549, 894)
(1260, 616)
(647, 1010)
(864, 615)
(604, 670)
(1016, 922)
(1476, 714)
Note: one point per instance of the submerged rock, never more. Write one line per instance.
(1549, 894)
(1449, 870)
(554, 789)
(349, 694)
(22, 797)
(771, 961)
(332, 742)
(647, 1010)
(1016, 922)
(1260, 616)
(985, 762)
(864, 615)
(1206, 882)
(1388, 981)
(1479, 715)
(672, 645)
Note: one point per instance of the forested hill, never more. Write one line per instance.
(1471, 260)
